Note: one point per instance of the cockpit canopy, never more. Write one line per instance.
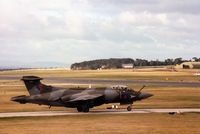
(121, 87)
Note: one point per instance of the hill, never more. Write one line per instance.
(102, 63)
(117, 63)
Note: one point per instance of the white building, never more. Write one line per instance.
(127, 65)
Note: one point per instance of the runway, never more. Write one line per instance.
(111, 111)
(81, 81)
(122, 82)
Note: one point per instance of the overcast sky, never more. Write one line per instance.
(68, 31)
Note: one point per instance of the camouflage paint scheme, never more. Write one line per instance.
(80, 98)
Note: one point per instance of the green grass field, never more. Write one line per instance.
(152, 123)
(164, 97)
(122, 74)
(187, 123)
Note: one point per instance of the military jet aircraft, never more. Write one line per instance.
(81, 98)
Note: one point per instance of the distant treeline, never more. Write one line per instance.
(10, 69)
(117, 63)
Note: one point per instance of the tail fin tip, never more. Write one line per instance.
(31, 78)
(32, 84)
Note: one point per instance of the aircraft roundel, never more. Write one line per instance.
(40, 87)
(125, 97)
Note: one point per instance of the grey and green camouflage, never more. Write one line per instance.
(80, 98)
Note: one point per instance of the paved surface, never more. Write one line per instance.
(112, 111)
(79, 81)
(119, 82)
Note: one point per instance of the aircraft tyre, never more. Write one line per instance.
(79, 109)
(85, 107)
(129, 108)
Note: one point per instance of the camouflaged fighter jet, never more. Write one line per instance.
(80, 98)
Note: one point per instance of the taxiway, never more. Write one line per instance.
(112, 111)
(81, 81)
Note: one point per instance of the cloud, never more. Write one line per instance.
(144, 18)
(154, 6)
(68, 31)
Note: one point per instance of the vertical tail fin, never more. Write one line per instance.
(33, 84)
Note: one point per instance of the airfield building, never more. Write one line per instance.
(188, 65)
(127, 65)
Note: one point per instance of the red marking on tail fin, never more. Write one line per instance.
(40, 87)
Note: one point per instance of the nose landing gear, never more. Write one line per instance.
(129, 108)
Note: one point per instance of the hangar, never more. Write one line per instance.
(188, 65)
(127, 65)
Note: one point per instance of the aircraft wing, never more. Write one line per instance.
(85, 97)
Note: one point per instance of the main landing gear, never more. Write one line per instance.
(83, 107)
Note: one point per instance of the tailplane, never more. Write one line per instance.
(33, 84)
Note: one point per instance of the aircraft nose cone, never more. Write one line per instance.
(144, 95)
(13, 99)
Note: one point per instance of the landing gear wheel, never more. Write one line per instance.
(85, 107)
(79, 109)
(129, 108)
(86, 110)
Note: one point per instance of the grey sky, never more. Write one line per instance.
(68, 31)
